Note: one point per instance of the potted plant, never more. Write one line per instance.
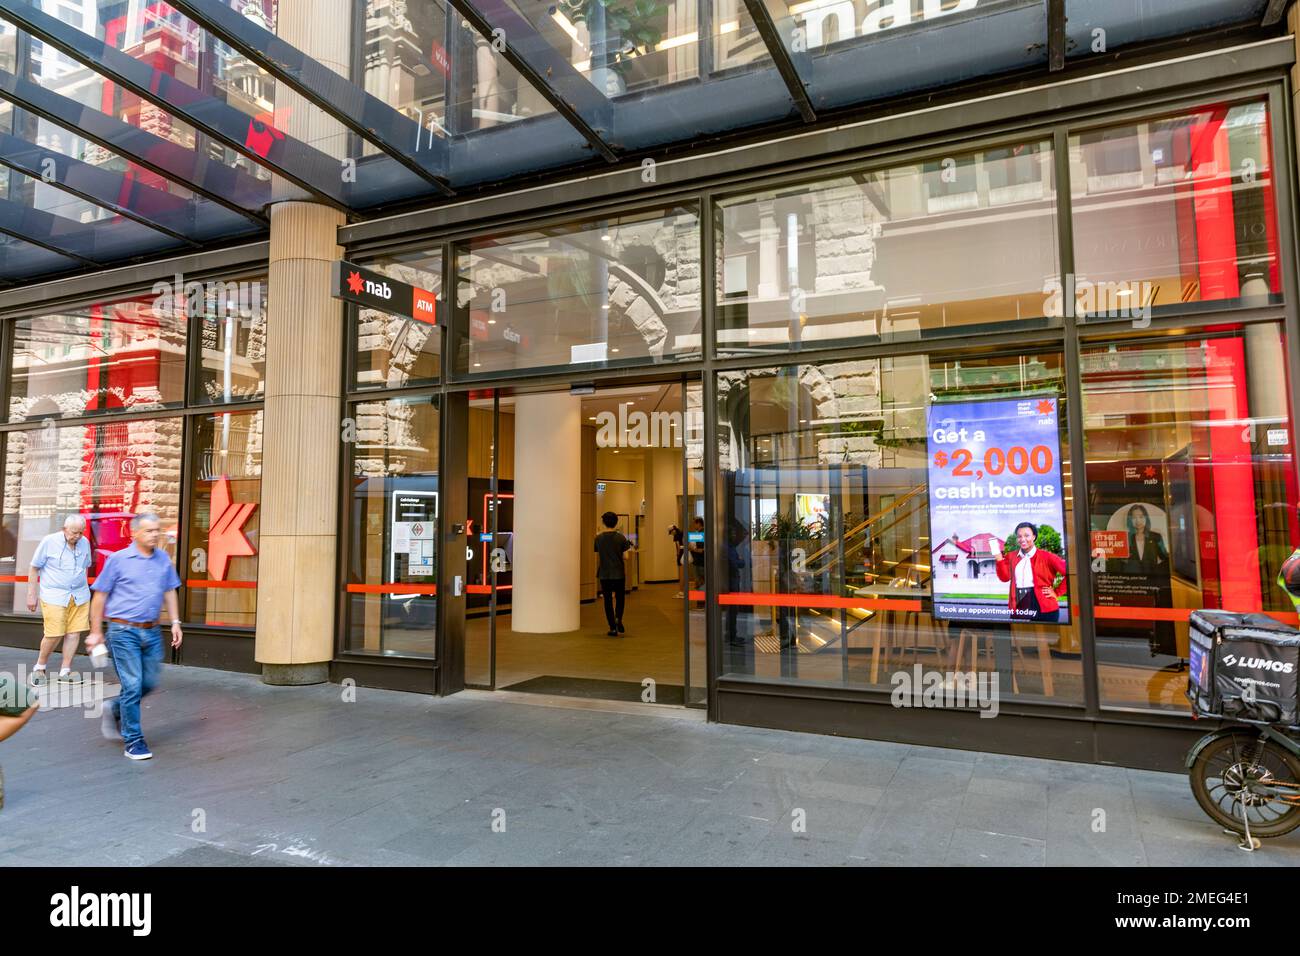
(785, 533)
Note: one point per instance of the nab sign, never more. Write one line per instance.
(374, 290)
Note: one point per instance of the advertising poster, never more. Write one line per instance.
(1130, 547)
(994, 464)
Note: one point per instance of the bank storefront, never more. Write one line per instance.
(144, 403)
(848, 364)
(1122, 271)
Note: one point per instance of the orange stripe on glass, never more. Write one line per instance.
(392, 589)
(819, 600)
(1110, 613)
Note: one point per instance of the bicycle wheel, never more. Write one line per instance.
(1223, 773)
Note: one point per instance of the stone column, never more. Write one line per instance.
(296, 594)
(296, 571)
(548, 520)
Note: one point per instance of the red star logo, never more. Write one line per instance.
(225, 529)
(1045, 407)
(355, 283)
(1149, 472)
(262, 135)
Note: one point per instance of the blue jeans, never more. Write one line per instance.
(137, 657)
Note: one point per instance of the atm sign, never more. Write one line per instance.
(424, 306)
(374, 290)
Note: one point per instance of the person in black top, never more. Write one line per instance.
(675, 533)
(612, 548)
(696, 550)
(1146, 548)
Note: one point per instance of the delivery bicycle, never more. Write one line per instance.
(1244, 669)
(1247, 780)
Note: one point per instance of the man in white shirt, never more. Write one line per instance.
(60, 564)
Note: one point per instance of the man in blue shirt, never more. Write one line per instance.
(60, 565)
(130, 592)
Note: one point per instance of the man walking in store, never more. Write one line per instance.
(60, 565)
(612, 549)
(130, 592)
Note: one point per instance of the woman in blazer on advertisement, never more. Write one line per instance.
(1032, 573)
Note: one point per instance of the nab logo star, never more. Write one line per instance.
(1045, 407)
(355, 283)
(226, 530)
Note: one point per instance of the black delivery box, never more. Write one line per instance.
(1243, 667)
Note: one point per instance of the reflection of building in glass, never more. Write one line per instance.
(617, 291)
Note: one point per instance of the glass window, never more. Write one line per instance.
(1102, 26)
(232, 339)
(1191, 496)
(619, 291)
(955, 243)
(407, 63)
(863, 50)
(109, 356)
(1175, 211)
(844, 564)
(393, 516)
(198, 64)
(415, 52)
(106, 472)
(225, 492)
(393, 351)
(172, 48)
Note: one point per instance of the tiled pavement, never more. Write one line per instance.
(258, 775)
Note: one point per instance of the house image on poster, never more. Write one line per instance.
(974, 559)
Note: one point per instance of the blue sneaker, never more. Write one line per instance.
(138, 751)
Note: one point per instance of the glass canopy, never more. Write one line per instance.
(133, 128)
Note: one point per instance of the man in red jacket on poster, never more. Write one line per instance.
(1032, 573)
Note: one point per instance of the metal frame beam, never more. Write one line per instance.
(776, 27)
(229, 187)
(301, 164)
(164, 212)
(1055, 35)
(368, 116)
(587, 109)
(9, 280)
(53, 233)
(30, 298)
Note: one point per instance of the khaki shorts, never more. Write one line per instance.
(72, 619)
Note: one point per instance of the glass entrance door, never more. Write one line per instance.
(585, 543)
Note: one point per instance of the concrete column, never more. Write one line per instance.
(304, 352)
(663, 485)
(548, 519)
(295, 593)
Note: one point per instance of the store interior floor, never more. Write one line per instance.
(587, 662)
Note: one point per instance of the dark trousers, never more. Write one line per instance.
(612, 589)
(1027, 600)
